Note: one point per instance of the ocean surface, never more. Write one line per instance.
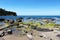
(14, 17)
(25, 17)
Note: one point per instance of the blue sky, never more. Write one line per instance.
(32, 7)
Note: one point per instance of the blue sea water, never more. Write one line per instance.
(24, 17)
(14, 17)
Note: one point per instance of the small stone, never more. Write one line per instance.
(50, 38)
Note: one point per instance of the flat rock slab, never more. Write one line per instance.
(2, 38)
(13, 37)
(49, 35)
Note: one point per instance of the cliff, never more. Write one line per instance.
(7, 13)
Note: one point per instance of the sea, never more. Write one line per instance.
(25, 17)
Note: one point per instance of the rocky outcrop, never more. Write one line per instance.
(7, 13)
(2, 20)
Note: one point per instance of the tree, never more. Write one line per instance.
(3, 12)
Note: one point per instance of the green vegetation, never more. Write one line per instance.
(3, 12)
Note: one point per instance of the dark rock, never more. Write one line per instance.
(58, 35)
(19, 19)
(41, 36)
(50, 38)
(2, 34)
(34, 27)
(9, 31)
(1, 19)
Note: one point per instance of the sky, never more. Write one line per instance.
(32, 7)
